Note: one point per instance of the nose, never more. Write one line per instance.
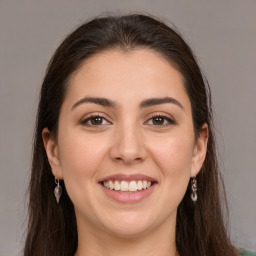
(128, 145)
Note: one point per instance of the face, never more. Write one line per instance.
(126, 147)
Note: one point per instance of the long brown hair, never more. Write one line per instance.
(52, 231)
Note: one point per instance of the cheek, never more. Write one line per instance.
(174, 158)
(174, 155)
(80, 154)
(80, 158)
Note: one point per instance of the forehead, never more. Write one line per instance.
(127, 74)
(131, 62)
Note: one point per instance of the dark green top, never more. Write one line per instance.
(247, 253)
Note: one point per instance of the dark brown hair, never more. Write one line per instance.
(200, 230)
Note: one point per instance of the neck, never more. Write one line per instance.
(159, 241)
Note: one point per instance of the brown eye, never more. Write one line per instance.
(158, 120)
(95, 121)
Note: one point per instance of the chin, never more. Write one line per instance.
(128, 231)
(129, 224)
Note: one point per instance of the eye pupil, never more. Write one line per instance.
(96, 120)
(158, 120)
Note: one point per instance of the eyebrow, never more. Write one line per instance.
(158, 101)
(145, 103)
(100, 101)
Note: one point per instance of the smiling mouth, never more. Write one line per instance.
(127, 186)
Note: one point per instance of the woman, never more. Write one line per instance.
(124, 154)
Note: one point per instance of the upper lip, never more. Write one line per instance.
(128, 177)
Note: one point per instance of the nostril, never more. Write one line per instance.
(127, 149)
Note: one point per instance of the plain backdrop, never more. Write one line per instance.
(223, 36)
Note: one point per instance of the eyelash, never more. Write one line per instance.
(93, 117)
(165, 118)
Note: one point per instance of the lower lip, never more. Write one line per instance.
(128, 197)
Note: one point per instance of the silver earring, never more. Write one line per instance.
(57, 190)
(194, 189)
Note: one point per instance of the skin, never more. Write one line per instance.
(128, 141)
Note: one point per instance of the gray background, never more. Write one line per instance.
(223, 36)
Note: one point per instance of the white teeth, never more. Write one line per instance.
(111, 185)
(105, 183)
(144, 184)
(117, 186)
(139, 186)
(132, 186)
(126, 186)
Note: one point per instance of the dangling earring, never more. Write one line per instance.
(194, 189)
(57, 190)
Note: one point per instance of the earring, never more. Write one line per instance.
(57, 190)
(194, 189)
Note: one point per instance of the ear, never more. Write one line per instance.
(200, 149)
(52, 151)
